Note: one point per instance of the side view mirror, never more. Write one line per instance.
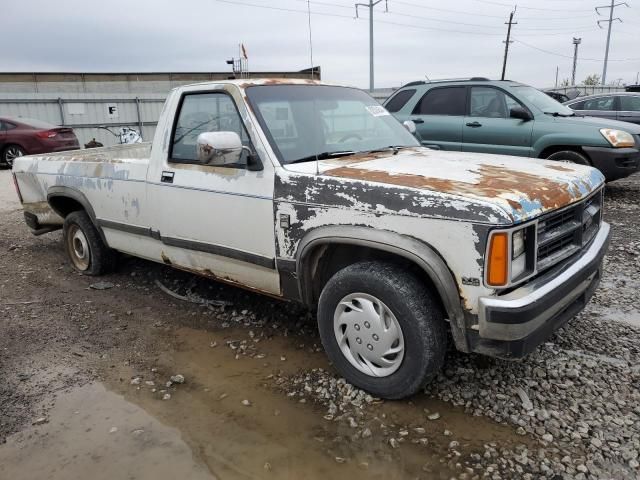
(521, 113)
(219, 148)
(410, 126)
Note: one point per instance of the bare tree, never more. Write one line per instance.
(592, 80)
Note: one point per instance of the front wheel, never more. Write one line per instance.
(569, 156)
(86, 251)
(382, 329)
(11, 153)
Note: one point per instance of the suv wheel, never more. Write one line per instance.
(382, 329)
(569, 156)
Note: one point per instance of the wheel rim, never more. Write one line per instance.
(12, 153)
(368, 335)
(78, 248)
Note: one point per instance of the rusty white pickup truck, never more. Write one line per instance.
(313, 193)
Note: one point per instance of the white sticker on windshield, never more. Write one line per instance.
(377, 110)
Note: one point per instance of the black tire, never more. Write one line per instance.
(418, 315)
(569, 156)
(85, 249)
(10, 152)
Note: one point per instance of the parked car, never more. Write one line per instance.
(314, 193)
(27, 136)
(510, 118)
(623, 106)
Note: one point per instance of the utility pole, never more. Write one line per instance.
(508, 41)
(557, 70)
(576, 42)
(371, 5)
(611, 8)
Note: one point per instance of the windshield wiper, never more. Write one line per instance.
(323, 156)
(558, 114)
(394, 148)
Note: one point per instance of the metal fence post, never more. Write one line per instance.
(139, 117)
(60, 102)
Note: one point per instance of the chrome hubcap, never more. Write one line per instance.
(368, 335)
(79, 248)
(12, 153)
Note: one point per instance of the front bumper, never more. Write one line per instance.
(513, 325)
(614, 163)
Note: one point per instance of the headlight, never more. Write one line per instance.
(511, 256)
(618, 138)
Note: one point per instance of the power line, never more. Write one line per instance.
(490, 2)
(570, 57)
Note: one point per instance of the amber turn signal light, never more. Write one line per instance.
(498, 261)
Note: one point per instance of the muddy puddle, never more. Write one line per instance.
(230, 420)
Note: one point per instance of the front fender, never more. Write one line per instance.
(416, 251)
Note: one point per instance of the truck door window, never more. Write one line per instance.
(205, 112)
(443, 101)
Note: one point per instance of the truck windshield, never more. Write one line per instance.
(305, 121)
(542, 101)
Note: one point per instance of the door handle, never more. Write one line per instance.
(166, 177)
(474, 124)
(417, 120)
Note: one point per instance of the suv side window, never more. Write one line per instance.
(399, 100)
(4, 126)
(577, 106)
(629, 103)
(205, 112)
(443, 101)
(491, 102)
(601, 103)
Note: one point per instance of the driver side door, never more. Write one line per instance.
(215, 220)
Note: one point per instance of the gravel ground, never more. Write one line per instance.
(572, 406)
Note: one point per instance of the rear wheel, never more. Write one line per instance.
(569, 156)
(382, 329)
(86, 251)
(10, 153)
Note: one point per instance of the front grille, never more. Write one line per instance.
(564, 233)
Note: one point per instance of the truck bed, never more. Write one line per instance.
(90, 171)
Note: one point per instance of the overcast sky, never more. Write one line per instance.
(415, 38)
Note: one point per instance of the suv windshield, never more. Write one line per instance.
(305, 121)
(542, 101)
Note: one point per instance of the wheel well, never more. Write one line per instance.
(561, 148)
(64, 205)
(327, 259)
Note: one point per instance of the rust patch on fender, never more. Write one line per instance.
(493, 182)
(560, 168)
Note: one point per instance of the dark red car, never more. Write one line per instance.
(26, 136)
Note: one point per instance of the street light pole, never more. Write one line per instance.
(576, 42)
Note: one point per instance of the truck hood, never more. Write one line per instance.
(632, 128)
(523, 188)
